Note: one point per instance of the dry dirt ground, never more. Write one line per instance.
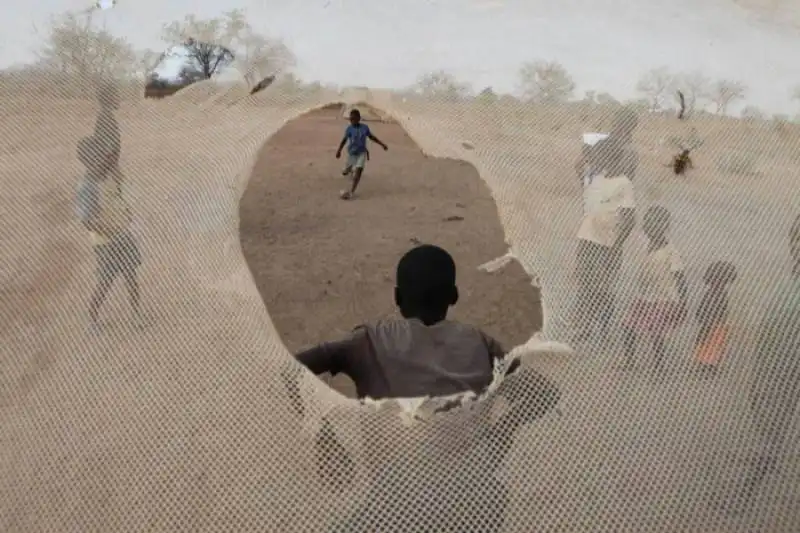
(307, 249)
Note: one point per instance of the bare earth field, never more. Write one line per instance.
(185, 426)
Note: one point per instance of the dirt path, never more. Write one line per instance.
(309, 250)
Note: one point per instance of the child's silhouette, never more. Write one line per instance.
(712, 315)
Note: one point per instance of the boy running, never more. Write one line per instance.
(609, 218)
(660, 302)
(355, 136)
(104, 212)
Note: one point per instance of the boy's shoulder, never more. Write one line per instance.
(399, 327)
(357, 127)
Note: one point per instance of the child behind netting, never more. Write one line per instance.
(422, 354)
(660, 301)
(712, 315)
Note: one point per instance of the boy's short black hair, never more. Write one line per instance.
(720, 272)
(426, 275)
(355, 113)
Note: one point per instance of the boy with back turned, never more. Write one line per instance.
(421, 354)
(425, 354)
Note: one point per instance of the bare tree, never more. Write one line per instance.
(725, 92)
(695, 87)
(146, 62)
(640, 104)
(545, 82)
(74, 47)
(487, 96)
(655, 86)
(607, 99)
(441, 83)
(210, 45)
(751, 112)
(255, 50)
(796, 93)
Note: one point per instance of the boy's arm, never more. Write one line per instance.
(341, 146)
(327, 357)
(496, 351)
(376, 140)
(343, 142)
(627, 222)
(335, 357)
(89, 207)
(627, 215)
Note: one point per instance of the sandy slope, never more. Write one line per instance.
(184, 427)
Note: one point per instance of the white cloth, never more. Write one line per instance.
(656, 281)
(593, 138)
(602, 199)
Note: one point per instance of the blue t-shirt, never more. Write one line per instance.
(87, 199)
(357, 138)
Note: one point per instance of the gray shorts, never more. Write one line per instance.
(357, 160)
(119, 256)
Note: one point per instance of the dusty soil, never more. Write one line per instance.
(324, 265)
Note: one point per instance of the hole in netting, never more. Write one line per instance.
(324, 265)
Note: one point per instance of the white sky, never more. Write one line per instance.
(605, 44)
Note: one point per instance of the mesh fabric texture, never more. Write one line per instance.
(188, 426)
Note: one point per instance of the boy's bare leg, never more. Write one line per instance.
(132, 284)
(630, 347)
(605, 312)
(347, 170)
(98, 297)
(356, 179)
(658, 352)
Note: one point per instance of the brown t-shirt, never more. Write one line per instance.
(405, 358)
